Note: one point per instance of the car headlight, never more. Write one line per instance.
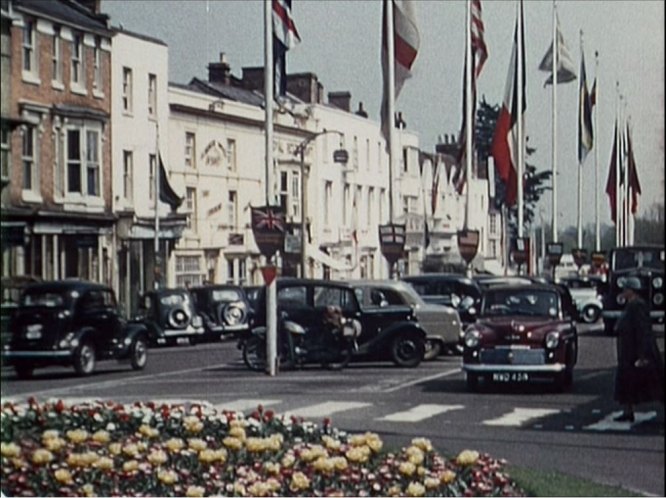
(197, 321)
(620, 299)
(657, 282)
(658, 299)
(552, 340)
(68, 341)
(472, 338)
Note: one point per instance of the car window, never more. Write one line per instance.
(93, 299)
(292, 297)
(109, 299)
(43, 298)
(172, 299)
(523, 302)
(393, 297)
(225, 295)
(335, 296)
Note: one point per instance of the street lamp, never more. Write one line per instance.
(339, 156)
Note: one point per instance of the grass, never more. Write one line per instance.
(538, 483)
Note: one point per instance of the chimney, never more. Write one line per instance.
(93, 6)
(220, 72)
(361, 112)
(341, 100)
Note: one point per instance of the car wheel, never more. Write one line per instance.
(591, 313)
(254, 354)
(407, 350)
(23, 371)
(342, 357)
(84, 359)
(432, 350)
(178, 318)
(139, 353)
(472, 381)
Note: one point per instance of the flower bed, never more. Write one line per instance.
(146, 449)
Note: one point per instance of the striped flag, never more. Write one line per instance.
(504, 147)
(405, 46)
(285, 36)
(585, 131)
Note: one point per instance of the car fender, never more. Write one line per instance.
(386, 335)
(133, 330)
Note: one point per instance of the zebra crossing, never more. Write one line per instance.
(516, 417)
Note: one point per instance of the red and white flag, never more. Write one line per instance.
(283, 24)
(504, 148)
(405, 48)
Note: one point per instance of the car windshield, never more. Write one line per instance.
(626, 259)
(50, 299)
(173, 299)
(524, 302)
(225, 295)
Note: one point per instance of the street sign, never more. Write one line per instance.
(341, 156)
(392, 241)
(468, 244)
(554, 251)
(269, 273)
(521, 250)
(268, 227)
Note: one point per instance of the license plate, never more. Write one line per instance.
(33, 331)
(511, 377)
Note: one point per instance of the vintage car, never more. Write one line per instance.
(524, 333)
(441, 323)
(586, 296)
(487, 281)
(170, 317)
(644, 262)
(387, 333)
(252, 294)
(71, 323)
(449, 289)
(11, 295)
(225, 310)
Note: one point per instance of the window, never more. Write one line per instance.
(328, 194)
(4, 152)
(358, 198)
(231, 154)
(29, 157)
(92, 162)
(128, 161)
(232, 208)
(371, 206)
(56, 55)
(152, 95)
(405, 162)
(59, 162)
(355, 153)
(493, 224)
(83, 161)
(191, 203)
(127, 89)
(29, 57)
(367, 153)
(188, 271)
(345, 206)
(74, 161)
(290, 193)
(97, 69)
(77, 60)
(190, 150)
(152, 171)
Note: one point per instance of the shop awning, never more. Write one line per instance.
(326, 259)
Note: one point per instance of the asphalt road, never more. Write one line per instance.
(531, 426)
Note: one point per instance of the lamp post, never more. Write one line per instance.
(339, 156)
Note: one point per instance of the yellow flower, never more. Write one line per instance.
(88, 490)
(467, 457)
(236, 423)
(447, 477)
(174, 444)
(239, 489)
(358, 454)
(299, 481)
(157, 457)
(414, 455)
(131, 450)
(357, 440)
(232, 443)
(104, 463)
(41, 456)
(167, 476)
(331, 443)
(63, 476)
(288, 460)
(210, 456)
(311, 454)
(50, 434)
(115, 448)
(339, 462)
(193, 424)
(259, 489)
(255, 444)
(407, 468)
(374, 443)
(148, 431)
(10, 450)
(273, 484)
(194, 491)
(422, 443)
(197, 444)
(274, 443)
(238, 433)
(101, 436)
(54, 443)
(415, 489)
(77, 435)
(394, 491)
(431, 482)
(130, 466)
(272, 468)
(324, 465)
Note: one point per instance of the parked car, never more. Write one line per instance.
(252, 294)
(225, 310)
(449, 289)
(387, 333)
(586, 297)
(441, 323)
(487, 281)
(71, 323)
(11, 295)
(170, 317)
(646, 263)
(524, 333)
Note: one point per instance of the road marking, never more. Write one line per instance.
(520, 415)
(327, 408)
(421, 379)
(608, 424)
(420, 412)
(240, 405)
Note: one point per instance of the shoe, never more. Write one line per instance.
(625, 417)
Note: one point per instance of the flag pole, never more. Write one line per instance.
(554, 119)
(627, 187)
(618, 220)
(581, 159)
(521, 140)
(597, 227)
(156, 240)
(468, 109)
(390, 48)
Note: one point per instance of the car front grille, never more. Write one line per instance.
(513, 356)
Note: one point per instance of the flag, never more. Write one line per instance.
(434, 191)
(632, 174)
(426, 233)
(167, 194)
(268, 228)
(566, 71)
(585, 131)
(285, 36)
(504, 147)
(593, 94)
(610, 182)
(405, 48)
(479, 56)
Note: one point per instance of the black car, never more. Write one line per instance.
(170, 317)
(71, 323)
(449, 289)
(11, 295)
(388, 333)
(225, 309)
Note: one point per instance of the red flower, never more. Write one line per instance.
(268, 416)
(59, 406)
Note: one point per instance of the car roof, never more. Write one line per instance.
(167, 291)
(521, 287)
(215, 286)
(67, 285)
(425, 277)
(281, 281)
(378, 283)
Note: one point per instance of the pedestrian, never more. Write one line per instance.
(640, 370)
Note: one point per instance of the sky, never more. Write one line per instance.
(341, 45)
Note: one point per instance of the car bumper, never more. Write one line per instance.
(229, 329)
(186, 332)
(484, 368)
(36, 355)
(615, 314)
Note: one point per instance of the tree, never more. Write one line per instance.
(649, 229)
(534, 184)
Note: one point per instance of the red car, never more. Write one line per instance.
(524, 333)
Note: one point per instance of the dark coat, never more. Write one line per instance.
(635, 340)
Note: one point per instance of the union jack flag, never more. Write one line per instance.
(267, 219)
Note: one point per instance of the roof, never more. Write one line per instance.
(226, 91)
(120, 29)
(66, 11)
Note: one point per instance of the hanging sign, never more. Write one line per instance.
(392, 241)
(554, 252)
(468, 244)
(579, 255)
(268, 228)
(521, 250)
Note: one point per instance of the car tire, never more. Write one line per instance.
(254, 354)
(472, 381)
(84, 359)
(139, 353)
(341, 360)
(591, 313)
(178, 318)
(23, 371)
(407, 350)
(433, 348)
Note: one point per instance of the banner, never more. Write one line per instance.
(268, 228)
(392, 241)
(468, 244)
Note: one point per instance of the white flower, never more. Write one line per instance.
(97, 417)
(110, 427)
